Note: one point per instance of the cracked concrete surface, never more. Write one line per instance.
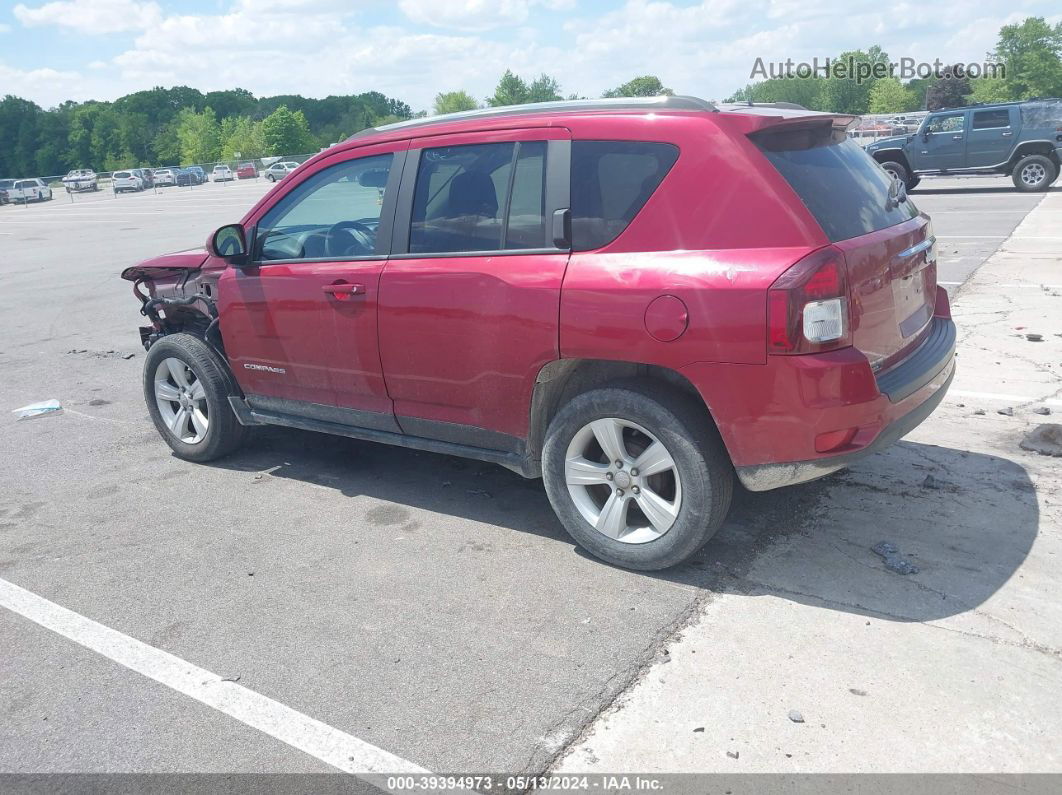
(955, 669)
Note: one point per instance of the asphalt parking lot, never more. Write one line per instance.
(424, 605)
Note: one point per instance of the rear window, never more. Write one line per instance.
(611, 180)
(842, 186)
(121, 174)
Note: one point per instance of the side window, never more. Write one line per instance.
(988, 119)
(479, 197)
(945, 124)
(527, 208)
(611, 180)
(335, 214)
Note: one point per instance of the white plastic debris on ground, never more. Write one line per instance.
(34, 410)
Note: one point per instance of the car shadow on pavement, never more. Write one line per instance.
(965, 520)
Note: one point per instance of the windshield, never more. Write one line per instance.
(842, 186)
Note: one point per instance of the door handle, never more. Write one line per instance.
(1007, 134)
(956, 137)
(344, 290)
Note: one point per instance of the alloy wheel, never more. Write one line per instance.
(1033, 174)
(181, 400)
(623, 480)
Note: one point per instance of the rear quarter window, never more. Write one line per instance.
(841, 185)
(611, 181)
(1044, 113)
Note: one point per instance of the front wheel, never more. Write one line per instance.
(271, 178)
(897, 171)
(1034, 173)
(187, 388)
(637, 474)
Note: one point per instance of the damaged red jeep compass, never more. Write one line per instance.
(636, 300)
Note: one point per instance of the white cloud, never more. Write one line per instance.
(467, 14)
(318, 47)
(92, 16)
(34, 84)
(4, 28)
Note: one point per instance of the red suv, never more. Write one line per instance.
(633, 299)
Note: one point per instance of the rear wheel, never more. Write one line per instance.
(187, 389)
(1034, 173)
(637, 474)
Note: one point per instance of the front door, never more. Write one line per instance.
(470, 297)
(942, 145)
(299, 323)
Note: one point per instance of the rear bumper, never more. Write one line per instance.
(798, 418)
(764, 477)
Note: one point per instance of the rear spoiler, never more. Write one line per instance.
(757, 117)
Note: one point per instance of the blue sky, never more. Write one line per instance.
(412, 49)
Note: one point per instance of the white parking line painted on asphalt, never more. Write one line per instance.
(321, 741)
(1005, 398)
(1028, 285)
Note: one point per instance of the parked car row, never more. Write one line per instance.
(133, 180)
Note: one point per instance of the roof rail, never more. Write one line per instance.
(781, 105)
(647, 104)
(994, 104)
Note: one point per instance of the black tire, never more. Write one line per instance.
(898, 170)
(1031, 166)
(224, 433)
(684, 428)
(912, 183)
(271, 178)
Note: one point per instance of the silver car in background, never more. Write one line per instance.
(277, 171)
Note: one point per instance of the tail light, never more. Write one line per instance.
(808, 306)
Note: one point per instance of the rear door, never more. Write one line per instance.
(991, 136)
(888, 245)
(300, 323)
(470, 297)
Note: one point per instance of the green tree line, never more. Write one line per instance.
(179, 125)
(1029, 52)
(183, 126)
